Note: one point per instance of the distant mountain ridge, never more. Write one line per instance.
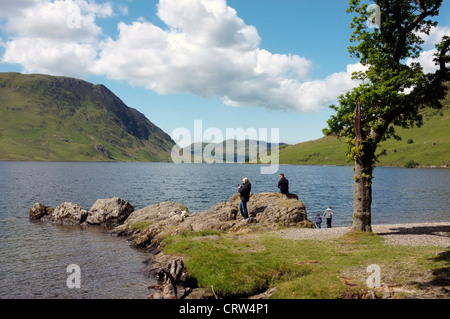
(52, 118)
(231, 150)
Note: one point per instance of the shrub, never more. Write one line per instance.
(411, 164)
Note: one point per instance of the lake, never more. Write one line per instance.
(35, 255)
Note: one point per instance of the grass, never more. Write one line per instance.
(235, 266)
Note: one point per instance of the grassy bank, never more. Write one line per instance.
(239, 266)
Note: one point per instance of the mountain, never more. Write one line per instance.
(428, 145)
(56, 118)
(243, 151)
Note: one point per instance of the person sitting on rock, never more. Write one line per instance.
(283, 184)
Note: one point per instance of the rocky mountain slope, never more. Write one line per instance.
(65, 119)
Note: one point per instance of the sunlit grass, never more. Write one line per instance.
(235, 266)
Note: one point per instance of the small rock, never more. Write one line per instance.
(37, 211)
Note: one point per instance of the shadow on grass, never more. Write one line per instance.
(435, 230)
(439, 285)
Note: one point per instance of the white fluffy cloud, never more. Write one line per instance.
(205, 49)
(59, 37)
(426, 58)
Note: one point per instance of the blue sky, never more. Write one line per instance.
(232, 64)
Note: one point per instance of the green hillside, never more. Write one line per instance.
(427, 146)
(64, 119)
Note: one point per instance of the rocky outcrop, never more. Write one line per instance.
(109, 212)
(105, 212)
(149, 226)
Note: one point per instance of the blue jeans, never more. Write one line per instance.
(243, 209)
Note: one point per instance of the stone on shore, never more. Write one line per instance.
(105, 212)
(67, 213)
(38, 210)
(148, 226)
(109, 212)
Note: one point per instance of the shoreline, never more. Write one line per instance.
(407, 234)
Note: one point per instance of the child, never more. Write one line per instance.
(318, 220)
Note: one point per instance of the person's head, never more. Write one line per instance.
(329, 207)
(281, 175)
(317, 214)
(245, 180)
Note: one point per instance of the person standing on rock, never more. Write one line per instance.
(244, 191)
(283, 184)
(328, 214)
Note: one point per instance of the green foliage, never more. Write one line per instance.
(411, 164)
(391, 93)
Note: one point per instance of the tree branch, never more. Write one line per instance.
(399, 46)
(442, 58)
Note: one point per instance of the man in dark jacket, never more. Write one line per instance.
(244, 191)
(283, 184)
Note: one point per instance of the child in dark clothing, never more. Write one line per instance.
(318, 220)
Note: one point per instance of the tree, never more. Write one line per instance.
(392, 91)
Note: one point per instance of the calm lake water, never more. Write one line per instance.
(34, 256)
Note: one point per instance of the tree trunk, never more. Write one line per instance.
(362, 197)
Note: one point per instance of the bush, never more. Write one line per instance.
(411, 164)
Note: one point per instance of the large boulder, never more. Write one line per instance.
(266, 211)
(67, 213)
(148, 226)
(276, 209)
(109, 212)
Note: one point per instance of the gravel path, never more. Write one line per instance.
(418, 234)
